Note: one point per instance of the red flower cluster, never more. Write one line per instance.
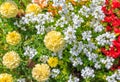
(112, 19)
(112, 12)
(114, 51)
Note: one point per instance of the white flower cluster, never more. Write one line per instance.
(87, 50)
(87, 72)
(92, 56)
(57, 3)
(31, 52)
(115, 77)
(43, 58)
(37, 21)
(105, 39)
(76, 61)
(107, 61)
(59, 53)
(86, 35)
(96, 7)
(21, 80)
(55, 73)
(97, 65)
(70, 36)
(77, 20)
(61, 22)
(85, 11)
(98, 14)
(73, 79)
(77, 48)
(97, 26)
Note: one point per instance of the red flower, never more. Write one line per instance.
(116, 23)
(117, 30)
(108, 28)
(118, 39)
(110, 18)
(115, 4)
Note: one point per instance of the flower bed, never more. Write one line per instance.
(60, 41)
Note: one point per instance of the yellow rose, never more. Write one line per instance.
(11, 60)
(4, 77)
(13, 38)
(33, 8)
(41, 72)
(53, 61)
(54, 41)
(8, 9)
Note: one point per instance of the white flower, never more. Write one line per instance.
(97, 26)
(31, 52)
(85, 11)
(87, 72)
(73, 79)
(44, 58)
(76, 49)
(55, 73)
(37, 21)
(21, 80)
(107, 61)
(105, 39)
(92, 56)
(70, 34)
(77, 20)
(97, 65)
(76, 61)
(111, 78)
(86, 35)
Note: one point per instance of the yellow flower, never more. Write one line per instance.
(11, 60)
(13, 38)
(41, 72)
(53, 61)
(8, 9)
(54, 41)
(4, 77)
(33, 8)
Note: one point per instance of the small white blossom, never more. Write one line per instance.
(77, 48)
(87, 72)
(76, 61)
(55, 73)
(105, 39)
(21, 80)
(73, 79)
(107, 61)
(86, 35)
(70, 35)
(43, 58)
(31, 52)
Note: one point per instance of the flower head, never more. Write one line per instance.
(53, 61)
(54, 41)
(13, 38)
(11, 60)
(8, 9)
(33, 8)
(41, 72)
(4, 77)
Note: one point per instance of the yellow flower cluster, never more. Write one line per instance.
(8, 9)
(33, 8)
(54, 41)
(13, 38)
(11, 60)
(53, 61)
(4, 77)
(41, 72)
